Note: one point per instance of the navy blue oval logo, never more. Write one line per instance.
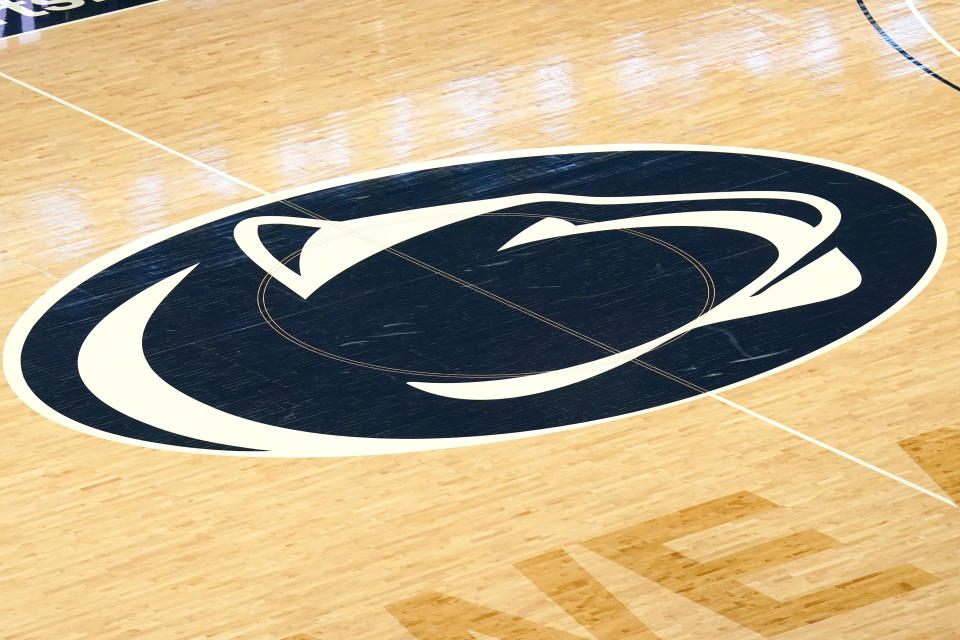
(472, 300)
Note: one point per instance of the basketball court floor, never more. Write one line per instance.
(453, 440)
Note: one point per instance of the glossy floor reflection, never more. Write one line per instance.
(123, 125)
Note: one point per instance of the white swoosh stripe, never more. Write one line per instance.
(114, 368)
(830, 276)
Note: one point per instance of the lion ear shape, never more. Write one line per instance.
(541, 230)
(247, 236)
(338, 245)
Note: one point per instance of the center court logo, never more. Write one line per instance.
(472, 300)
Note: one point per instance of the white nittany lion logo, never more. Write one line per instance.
(178, 340)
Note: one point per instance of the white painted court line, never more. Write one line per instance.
(930, 29)
(110, 123)
(240, 182)
(824, 445)
(34, 32)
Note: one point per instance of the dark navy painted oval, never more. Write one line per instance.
(232, 359)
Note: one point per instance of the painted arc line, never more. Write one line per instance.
(11, 365)
(896, 47)
(930, 29)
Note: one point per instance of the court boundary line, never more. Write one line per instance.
(926, 25)
(142, 138)
(839, 452)
(890, 41)
(88, 18)
(714, 395)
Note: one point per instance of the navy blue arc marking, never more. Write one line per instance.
(363, 363)
(900, 50)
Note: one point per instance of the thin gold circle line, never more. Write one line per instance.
(708, 279)
(498, 299)
(506, 302)
(273, 324)
(268, 317)
(265, 313)
(702, 270)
